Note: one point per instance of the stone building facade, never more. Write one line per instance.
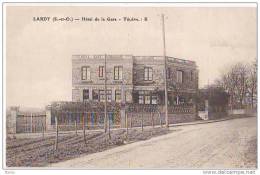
(133, 79)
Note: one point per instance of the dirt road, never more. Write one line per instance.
(225, 144)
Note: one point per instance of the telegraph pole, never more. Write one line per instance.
(165, 75)
(105, 120)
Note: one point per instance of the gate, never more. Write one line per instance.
(30, 122)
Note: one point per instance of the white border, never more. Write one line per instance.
(127, 4)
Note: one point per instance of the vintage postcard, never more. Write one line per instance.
(130, 86)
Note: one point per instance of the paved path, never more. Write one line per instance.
(225, 144)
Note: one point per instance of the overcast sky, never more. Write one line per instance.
(38, 57)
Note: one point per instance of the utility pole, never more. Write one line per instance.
(165, 75)
(105, 120)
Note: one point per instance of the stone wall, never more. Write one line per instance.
(94, 62)
(148, 119)
(96, 82)
(157, 67)
(133, 74)
(189, 69)
(11, 120)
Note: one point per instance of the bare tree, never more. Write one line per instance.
(238, 82)
(252, 82)
(242, 82)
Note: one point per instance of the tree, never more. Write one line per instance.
(252, 83)
(239, 82)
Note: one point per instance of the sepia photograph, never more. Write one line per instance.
(130, 86)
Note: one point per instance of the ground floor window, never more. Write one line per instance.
(141, 99)
(109, 95)
(154, 100)
(102, 95)
(118, 95)
(85, 94)
(95, 95)
(147, 100)
(147, 97)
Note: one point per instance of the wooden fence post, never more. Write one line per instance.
(142, 121)
(152, 119)
(57, 133)
(160, 119)
(109, 134)
(84, 133)
(76, 129)
(31, 123)
(42, 130)
(126, 119)
(131, 124)
(87, 120)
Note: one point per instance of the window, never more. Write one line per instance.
(109, 95)
(148, 74)
(154, 100)
(141, 99)
(102, 95)
(85, 73)
(118, 95)
(85, 94)
(95, 94)
(191, 75)
(180, 76)
(168, 73)
(118, 73)
(147, 99)
(101, 71)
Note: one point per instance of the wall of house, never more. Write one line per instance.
(133, 74)
(157, 65)
(96, 82)
(190, 76)
(94, 62)
(189, 84)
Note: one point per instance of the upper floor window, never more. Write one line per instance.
(101, 71)
(180, 76)
(148, 74)
(85, 73)
(191, 75)
(118, 73)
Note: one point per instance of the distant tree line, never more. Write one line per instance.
(240, 82)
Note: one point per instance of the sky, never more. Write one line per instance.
(38, 53)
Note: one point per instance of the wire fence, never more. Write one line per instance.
(137, 116)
